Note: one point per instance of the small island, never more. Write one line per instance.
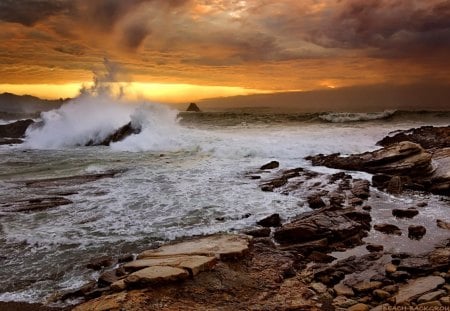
(193, 107)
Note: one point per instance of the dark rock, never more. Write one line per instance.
(388, 229)
(422, 204)
(306, 248)
(400, 276)
(10, 141)
(416, 232)
(100, 263)
(428, 137)
(274, 183)
(415, 265)
(443, 224)
(335, 177)
(270, 165)
(125, 258)
(273, 220)
(380, 180)
(333, 225)
(394, 185)
(374, 248)
(80, 292)
(193, 108)
(336, 200)
(120, 134)
(255, 177)
(16, 129)
(315, 201)
(361, 188)
(259, 232)
(355, 201)
(107, 278)
(367, 208)
(69, 180)
(405, 213)
(95, 293)
(316, 256)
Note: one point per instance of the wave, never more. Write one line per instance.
(91, 119)
(342, 117)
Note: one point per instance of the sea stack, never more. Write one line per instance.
(193, 107)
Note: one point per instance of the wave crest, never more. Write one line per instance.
(342, 117)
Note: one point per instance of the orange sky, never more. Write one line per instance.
(185, 50)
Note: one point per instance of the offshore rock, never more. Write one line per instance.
(16, 129)
(193, 107)
(271, 165)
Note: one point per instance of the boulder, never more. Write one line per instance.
(374, 248)
(416, 288)
(16, 129)
(101, 262)
(343, 290)
(315, 201)
(156, 275)
(120, 134)
(431, 296)
(416, 232)
(271, 165)
(388, 229)
(361, 188)
(405, 213)
(221, 246)
(333, 225)
(273, 220)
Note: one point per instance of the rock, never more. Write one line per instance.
(334, 225)
(355, 201)
(415, 265)
(391, 289)
(422, 204)
(343, 302)
(431, 296)
(258, 232)
(193, 108)
(319, 288)
(343, 290)
(440, 257)
(15, 129)
(193, 263)
(225, 247)
(270, 165)
(107, 278)
(428, 137)
(390, 268)
(432, 305)
(364, 287)
(416, 232)
(405, 213)
(381, 294)
(336, 199)
(108, 303)
(400, 276)
(125, 258)
(381, 307)
(273, 220)
(443, 224)
(367, 208)
(315, 201)
(70, 180)
(316, 256)
(119, 135)
(274, 183)
(445, 301)
(418, 287)
(100, 263)
(388, 229)
(10, 141)
(359, 307)
(374, 248)
(118, 286)
(394, 185)
(361, 188)
(34, 204)
(156, 275)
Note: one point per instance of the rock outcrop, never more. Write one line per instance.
(193, 108)
(13, 132)
(429, 137)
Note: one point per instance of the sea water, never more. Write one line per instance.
(185, 174)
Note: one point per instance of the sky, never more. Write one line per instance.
(185, 50)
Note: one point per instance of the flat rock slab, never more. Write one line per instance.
(220, 246)
(157, 275)
(417, 287)
(194, 264)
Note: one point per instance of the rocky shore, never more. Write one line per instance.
(342, 255)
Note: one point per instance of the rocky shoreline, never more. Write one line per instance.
(334, 257)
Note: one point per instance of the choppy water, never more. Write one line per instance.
(181, 178)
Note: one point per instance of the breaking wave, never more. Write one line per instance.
(342, 117)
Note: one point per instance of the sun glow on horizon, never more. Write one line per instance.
(158, 92)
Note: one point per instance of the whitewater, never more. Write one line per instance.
(184, 174)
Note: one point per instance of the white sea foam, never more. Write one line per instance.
(341, 117)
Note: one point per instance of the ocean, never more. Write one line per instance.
(185, 174)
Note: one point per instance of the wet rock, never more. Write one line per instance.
(390, 268)
(428, 137)
(332, 225)
(156, 275)
(355, 201)
(445, 301)
(118, 286)
(336, 199)
(394, 185)
(367, 208)
(431, 296)
(344, 302)
(100, 263)
(443, 224)
(306, 248)
(400, 276)
(125, 258)
(316, 256)
(359, 307)
(415, 265)
(69, 180)
(388, 229)
(405, 213)
(392, 289)
(374, 248)
(34, 204)
(429, 305)
(192, 263)
(421, 204)
(315, 201)
(119, 135)
(381, 294)
(273, 220)
(10, 141)
(277, 182)
(418, 287)
(364, 287)
(361, 188)
(258, 232)
(271, 165)
(225, 247)
(343, 290)
(440, 257)
(416, 232)
(16, 129)
(107, 278)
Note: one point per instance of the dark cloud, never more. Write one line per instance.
(72, 49)
(29, 12)
(134, 34)
(392, 26)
